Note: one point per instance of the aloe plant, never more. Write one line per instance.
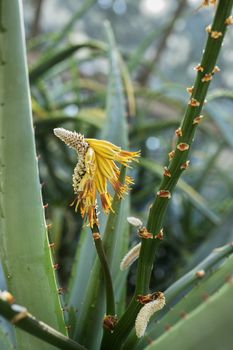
(95, 303)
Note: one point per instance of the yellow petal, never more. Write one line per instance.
(104, 148)
(106, 201)
(106, 167)
(101, 181)
(90, 162)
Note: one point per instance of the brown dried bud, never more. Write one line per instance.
(166, 172)
(190, 90)
(145, 299)
(164, 194)
(215, 35)
(208, 29)
(96, 236)
(194, 103)
(207, 77)
(216, 69)
(200, 274)
(143, 233)
(182, 146)
(109, 322)
(208, 2)
(6, 296)
(171, 155)
(160, 235)
(197, 119)
(199, 68)
(185, 165)
(229, 21)
(178, 132)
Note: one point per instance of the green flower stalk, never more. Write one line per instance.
(178, 162)
(96, 166)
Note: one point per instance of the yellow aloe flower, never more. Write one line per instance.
(96, 166)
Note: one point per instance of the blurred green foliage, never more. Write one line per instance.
(68, 83)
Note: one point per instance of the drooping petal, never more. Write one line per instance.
(125, 157)
(106, 201)
(101, 186)
(107, 167)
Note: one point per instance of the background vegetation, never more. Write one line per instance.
(160, 47)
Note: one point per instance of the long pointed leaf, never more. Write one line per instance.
(207, 327)
(24, 244)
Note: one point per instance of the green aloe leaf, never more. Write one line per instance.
(116, 131)
(24, 249)
(195, 292)
(5, 343)
(208, 327)
(82, 266)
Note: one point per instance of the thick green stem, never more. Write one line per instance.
(19, 316)
(110, 300)
(176, 167)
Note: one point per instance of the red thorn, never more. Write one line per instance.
(45, 206)
(51, 245)
(160, 235)
(229, 279)
(150, 340)
(200, 274)
(183, 314)
(56, 266)
(60, 290)
(205, 296)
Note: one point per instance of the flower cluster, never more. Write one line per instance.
(96, 166)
